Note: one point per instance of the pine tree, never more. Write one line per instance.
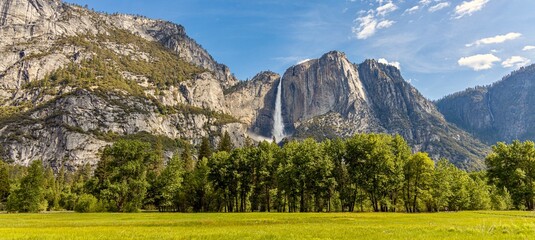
(205, 150)
(226, 143)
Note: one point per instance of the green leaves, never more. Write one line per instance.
(123, 170)
(30, 196)
(512, 167)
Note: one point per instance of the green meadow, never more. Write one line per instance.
(457, 225)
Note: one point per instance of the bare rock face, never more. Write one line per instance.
(73, 128)
(246, 100)
(70, 123)
(504, 111)
(330, 97)
(319, 86)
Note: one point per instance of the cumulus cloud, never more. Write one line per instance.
(385, 24)
(385, 9)
(412, 10)
(366, 28)
(439, 6)
(479, 62)
(384, 61)
(367, 24)
(515, 61)
(496, 39)
(469, 7)
(528, 48)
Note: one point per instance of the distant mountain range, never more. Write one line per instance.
(73, 80)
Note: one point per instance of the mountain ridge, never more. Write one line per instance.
(502, 111)
(76, 81)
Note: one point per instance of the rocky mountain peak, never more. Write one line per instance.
(266, 77)
(331, 97)
(334, 56)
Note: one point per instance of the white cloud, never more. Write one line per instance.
(467, 8)
(439, 6)
(303, 61)
(425, 2)
(528, 48)
(515, 61)
(385, 9)
(479, 62)
(366, 27)
(385, 24)
(372, 20)
(395, 64)
(412, 10)
(496, 39)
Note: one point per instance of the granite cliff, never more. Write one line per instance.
(73, 80)
(331, 97)
(503, 111)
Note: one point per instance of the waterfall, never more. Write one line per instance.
(278, 124)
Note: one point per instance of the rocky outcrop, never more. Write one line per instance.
(320, 86)
(253, 100)
(174, 37)
(70, 123)
(73, 128)
(504, 111)
(330, 97)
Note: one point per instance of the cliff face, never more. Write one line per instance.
(253, 100)
(73, 81)
(330, 84)
(330, 97)
(504, 111)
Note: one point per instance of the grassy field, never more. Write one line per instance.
(461, 225)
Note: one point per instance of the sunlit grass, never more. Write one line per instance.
(460, 225)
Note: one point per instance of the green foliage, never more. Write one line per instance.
(225, 144)
(512, 167)
(205, 150)
(418, 176)
(86, 203)
(122, 174)
(305, 174)
(368, 172)
(169, 185)
(4, 182)
(6, 111)
(500, 199)
(103, 69)
(30, 196)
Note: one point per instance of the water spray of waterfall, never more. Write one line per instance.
(278, 124)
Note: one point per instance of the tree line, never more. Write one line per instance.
(367, 172)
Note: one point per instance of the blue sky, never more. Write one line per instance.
(440, 46)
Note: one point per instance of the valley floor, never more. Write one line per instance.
(458, 225)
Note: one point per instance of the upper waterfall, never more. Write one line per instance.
(278, 123)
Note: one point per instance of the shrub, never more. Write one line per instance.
(86, 203)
